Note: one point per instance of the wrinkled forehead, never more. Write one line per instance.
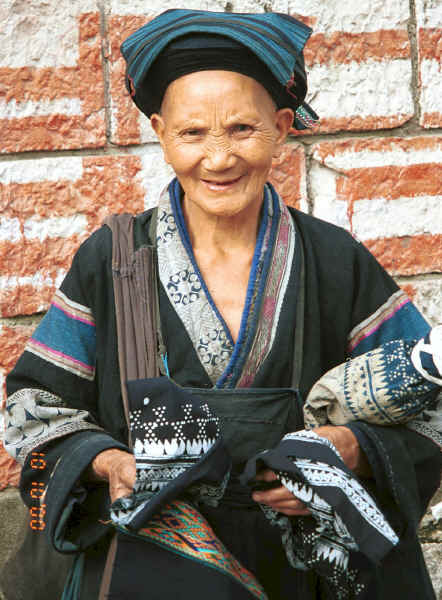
(227, 92)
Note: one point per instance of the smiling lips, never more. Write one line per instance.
(220, 185)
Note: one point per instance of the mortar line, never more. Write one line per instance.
(105, 67)
(308, 180)
(415, 87)
(114, 150)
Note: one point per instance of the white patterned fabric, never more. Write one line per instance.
(226, 363)
(34, 417)
(389, 385)
(345, 526)
(174, 433)
(183, 286)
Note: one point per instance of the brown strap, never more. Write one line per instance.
(133, 275)
(108, 568)
(136, 305)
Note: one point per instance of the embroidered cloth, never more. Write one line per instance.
(345, 523)
(227, 364)
(389, 385)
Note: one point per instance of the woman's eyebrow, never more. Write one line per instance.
(189, 124)
(242, 118)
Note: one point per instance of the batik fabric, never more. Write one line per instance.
(345, 521)
(389, 385)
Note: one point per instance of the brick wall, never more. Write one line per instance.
(73, 147)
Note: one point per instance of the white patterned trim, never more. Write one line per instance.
(34, 417)
(187, 296)
(322, 474)
(307, 435)
(427, 431)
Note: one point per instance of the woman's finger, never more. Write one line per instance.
(294, 512)
(119, 491)
(266, 475)
(275, 495)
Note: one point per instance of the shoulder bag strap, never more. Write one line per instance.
(136, 304)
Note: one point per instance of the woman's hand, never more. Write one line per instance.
(280, 499)
(348, 447)
(118, 468)
(345, 441)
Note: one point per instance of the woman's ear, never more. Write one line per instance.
(157, 122)
(284, 118)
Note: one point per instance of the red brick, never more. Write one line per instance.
(390, 182)
(12, 343)
(356, 123)
(430, 43)
(336, 147)
(84, 82)
(125, 113)
(110, 184)
(9, 470)
(408, 255)
(288, 174)
(344, 47)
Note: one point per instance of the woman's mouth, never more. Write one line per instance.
(219, 186)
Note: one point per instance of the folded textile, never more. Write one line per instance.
(389, 385)
(178, 450)
(347, 533)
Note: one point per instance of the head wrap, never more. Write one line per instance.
(267, 47)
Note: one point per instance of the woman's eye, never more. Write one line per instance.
(242, 128)
(192, 132)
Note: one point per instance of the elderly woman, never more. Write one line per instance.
(255, 302)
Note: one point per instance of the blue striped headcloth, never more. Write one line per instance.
(275, 39)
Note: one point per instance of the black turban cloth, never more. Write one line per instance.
(203, 52)
(266, 46)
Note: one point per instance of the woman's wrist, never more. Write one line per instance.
(348, 446)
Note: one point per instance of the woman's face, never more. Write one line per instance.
(219, 131)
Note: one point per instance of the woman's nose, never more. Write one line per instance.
(219, 157)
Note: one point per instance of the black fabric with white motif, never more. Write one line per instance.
(347, 532)
(178, 450)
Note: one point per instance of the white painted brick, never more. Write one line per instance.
(398, 157)
(379, 217)
(429, 13)
(55, 227)
(360, 16)
(10, 230)
(369, 89)
(244, 6)
(323, 189)
(428, 299)
(41, 34)
(43, 169)
(38, 280)
(147, 134)
(155, 174)
(43, 108)
(155, 7)
(431, 86)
